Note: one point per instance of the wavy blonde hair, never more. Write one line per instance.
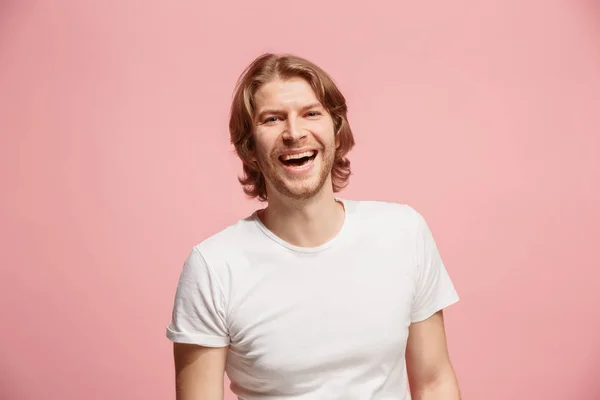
(264, 69)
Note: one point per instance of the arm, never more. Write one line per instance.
(430, 372)
(199, 371)
(198, 330)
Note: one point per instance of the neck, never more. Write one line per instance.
(306, 223)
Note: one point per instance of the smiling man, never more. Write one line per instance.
(313, 296)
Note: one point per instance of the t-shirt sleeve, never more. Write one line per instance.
(434, 288)
(198, 315)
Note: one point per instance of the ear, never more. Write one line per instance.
(340, 125)
(253, 161)
(250, 154)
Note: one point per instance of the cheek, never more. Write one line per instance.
(264, 144)
(323, 131)
(261, 138)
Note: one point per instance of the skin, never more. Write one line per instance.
(199, 372)
(302, 210)
(430, 372)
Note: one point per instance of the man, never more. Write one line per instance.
(313, 296)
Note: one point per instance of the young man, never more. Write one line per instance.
(312, 297)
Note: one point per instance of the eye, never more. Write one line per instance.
(270, 120)
(313, 114)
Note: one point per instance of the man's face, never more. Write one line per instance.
(295, 139)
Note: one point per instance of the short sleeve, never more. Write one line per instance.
(198, 315)
(435, 290)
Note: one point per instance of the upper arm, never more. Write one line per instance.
(427, 359)
(199, 331)
(199, 371)
(430, 371)
(434, 289)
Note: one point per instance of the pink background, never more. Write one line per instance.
(483, 115)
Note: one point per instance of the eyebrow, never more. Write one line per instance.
(271, 111)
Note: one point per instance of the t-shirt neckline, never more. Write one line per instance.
(300, 249)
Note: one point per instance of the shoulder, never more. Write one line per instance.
(228, 239)
(215, 251)
(209, 262)
(387, 214)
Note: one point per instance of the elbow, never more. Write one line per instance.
(441, 385)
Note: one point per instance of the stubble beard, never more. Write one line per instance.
(300, 191)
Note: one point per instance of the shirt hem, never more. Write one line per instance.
(201, 340)
(428, 312)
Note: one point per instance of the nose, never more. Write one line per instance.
(293, 130)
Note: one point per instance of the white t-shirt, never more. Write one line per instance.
(328, 322)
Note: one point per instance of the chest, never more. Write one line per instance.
(317, 314)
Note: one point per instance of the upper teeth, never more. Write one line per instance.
(299, 155)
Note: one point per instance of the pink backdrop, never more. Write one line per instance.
(115, 161)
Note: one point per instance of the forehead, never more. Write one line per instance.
(288, 93)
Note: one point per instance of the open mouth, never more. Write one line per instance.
(298, 160)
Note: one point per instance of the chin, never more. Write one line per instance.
(301, 190)
(298, 185)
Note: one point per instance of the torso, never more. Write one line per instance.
(323, 323)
